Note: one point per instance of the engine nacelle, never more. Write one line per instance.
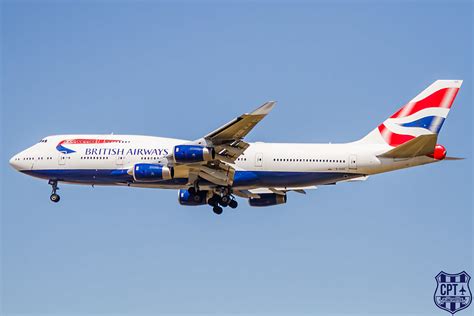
(186, 198)
(192, 153)
(145, 172)
(268, 199)
(439, 152)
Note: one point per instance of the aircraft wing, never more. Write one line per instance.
(228, 144)
(227, 140)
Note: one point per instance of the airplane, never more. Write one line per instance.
(215, 169)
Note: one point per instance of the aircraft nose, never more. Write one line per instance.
(14, 162)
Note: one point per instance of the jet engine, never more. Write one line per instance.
(145, 172)
(192, 153)
(186, 198)
(268, 199)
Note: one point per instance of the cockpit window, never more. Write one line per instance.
(43, 141)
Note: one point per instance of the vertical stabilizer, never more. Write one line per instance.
(423, 115)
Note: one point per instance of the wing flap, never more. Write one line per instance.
(222, 175)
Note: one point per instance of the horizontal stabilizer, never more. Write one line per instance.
(454, 158)
(419, 146)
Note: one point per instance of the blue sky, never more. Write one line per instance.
(182, 69)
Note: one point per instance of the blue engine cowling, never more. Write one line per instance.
(192, 153)
(186, 198)
(268, 199)
(146, 172)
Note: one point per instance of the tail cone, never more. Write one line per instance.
(439, 153)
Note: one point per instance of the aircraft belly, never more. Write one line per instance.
(287, 179)
(242, 179)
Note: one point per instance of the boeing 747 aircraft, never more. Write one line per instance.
(216, 168)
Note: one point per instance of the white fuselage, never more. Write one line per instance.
(262, 164)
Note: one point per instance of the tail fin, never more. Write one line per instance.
(424, 115)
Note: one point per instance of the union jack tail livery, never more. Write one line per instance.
(423, 115)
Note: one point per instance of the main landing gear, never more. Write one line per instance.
(227, 200)
(221, 198)
(219, 201)
(54, 197)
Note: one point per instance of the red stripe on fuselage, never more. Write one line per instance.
(88, 141)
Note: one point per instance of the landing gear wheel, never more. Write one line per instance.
(54, 198)
(54, 185)
(233, 204)
(217, 210)
(224, 200)
(213, 201)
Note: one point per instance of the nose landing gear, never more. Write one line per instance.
(54, 197)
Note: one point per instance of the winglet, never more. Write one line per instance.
(264, 109)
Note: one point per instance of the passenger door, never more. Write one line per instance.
(121, 161)
(353, 162)
(62, 158)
